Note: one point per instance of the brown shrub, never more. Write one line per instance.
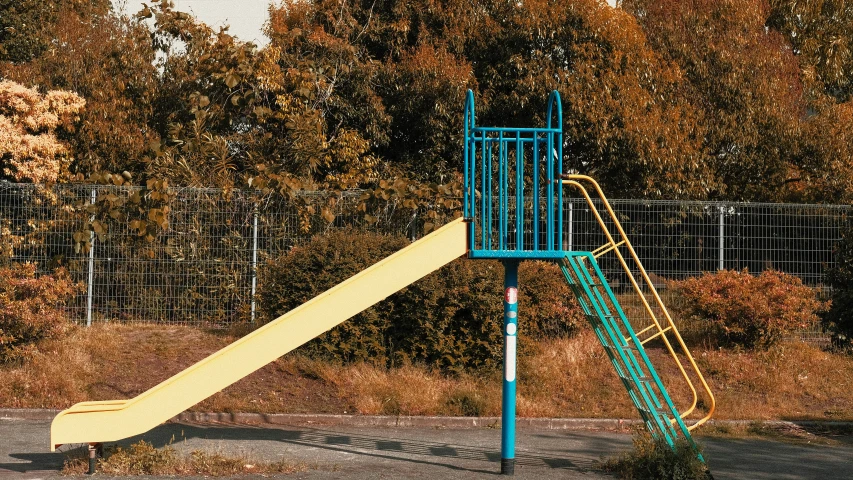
(307, 271)
(142, 458)
(31, 309)
(735, 308)
(450, 319)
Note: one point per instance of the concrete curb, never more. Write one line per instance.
(404, 421)
(27, 414)
(318, 419)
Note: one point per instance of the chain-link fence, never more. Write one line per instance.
(679, 239)
(204, 265)
(201, 270)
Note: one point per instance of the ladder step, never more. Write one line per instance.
(642, 378)
(656, 413)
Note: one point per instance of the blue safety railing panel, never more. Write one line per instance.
(513, 197)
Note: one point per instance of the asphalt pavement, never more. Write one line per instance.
(359, 450)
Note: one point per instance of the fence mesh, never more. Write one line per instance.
(203, 270)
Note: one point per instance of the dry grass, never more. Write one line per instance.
(143, 459)
(114, 361)
(792, 381)
(410, 390)
(558, 378)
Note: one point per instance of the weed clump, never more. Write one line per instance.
(654, 459)
(31, 309)
(732, 308)
(142, 458)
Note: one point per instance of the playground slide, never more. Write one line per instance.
(107, 421)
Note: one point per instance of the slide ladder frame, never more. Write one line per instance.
(626, 353)
(662, 327)
(513, 199)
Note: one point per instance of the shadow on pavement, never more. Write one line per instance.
(571, 453)
(35, 462)
(450, 455)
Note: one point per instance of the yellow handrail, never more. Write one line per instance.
(612, 245)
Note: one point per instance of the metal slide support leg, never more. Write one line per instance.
(95, 450)
(510, 344)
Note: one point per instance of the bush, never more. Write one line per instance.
(655, 460)
(839, 318)
(736, 309)
(306, 271)
(31, 309)
(451, 319)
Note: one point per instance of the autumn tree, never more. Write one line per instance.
(625, 120)
(661, 99)
(207, 108)
(745, 82)
(25, 25)
(109, 61)
(825, 154)
(325, 91)
(29, 148)
(423, 92)
(819, 33)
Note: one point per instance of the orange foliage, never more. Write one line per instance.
(31, 309)
(739, 309)
(28, 121)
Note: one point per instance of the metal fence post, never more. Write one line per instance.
(569, 247)
(254, 262)
(91, 268)
(722, 237)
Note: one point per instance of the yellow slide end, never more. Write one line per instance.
(108, 421)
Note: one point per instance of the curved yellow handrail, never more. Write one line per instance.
(612, 245)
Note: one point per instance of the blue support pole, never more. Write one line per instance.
(510, 345)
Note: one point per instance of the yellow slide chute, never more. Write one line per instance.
(107, 421)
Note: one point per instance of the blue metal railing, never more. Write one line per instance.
(512, 193)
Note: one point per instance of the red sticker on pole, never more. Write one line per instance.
(511, 295)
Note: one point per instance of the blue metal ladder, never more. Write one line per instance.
(627, 354)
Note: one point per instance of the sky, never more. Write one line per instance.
(246, 17)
